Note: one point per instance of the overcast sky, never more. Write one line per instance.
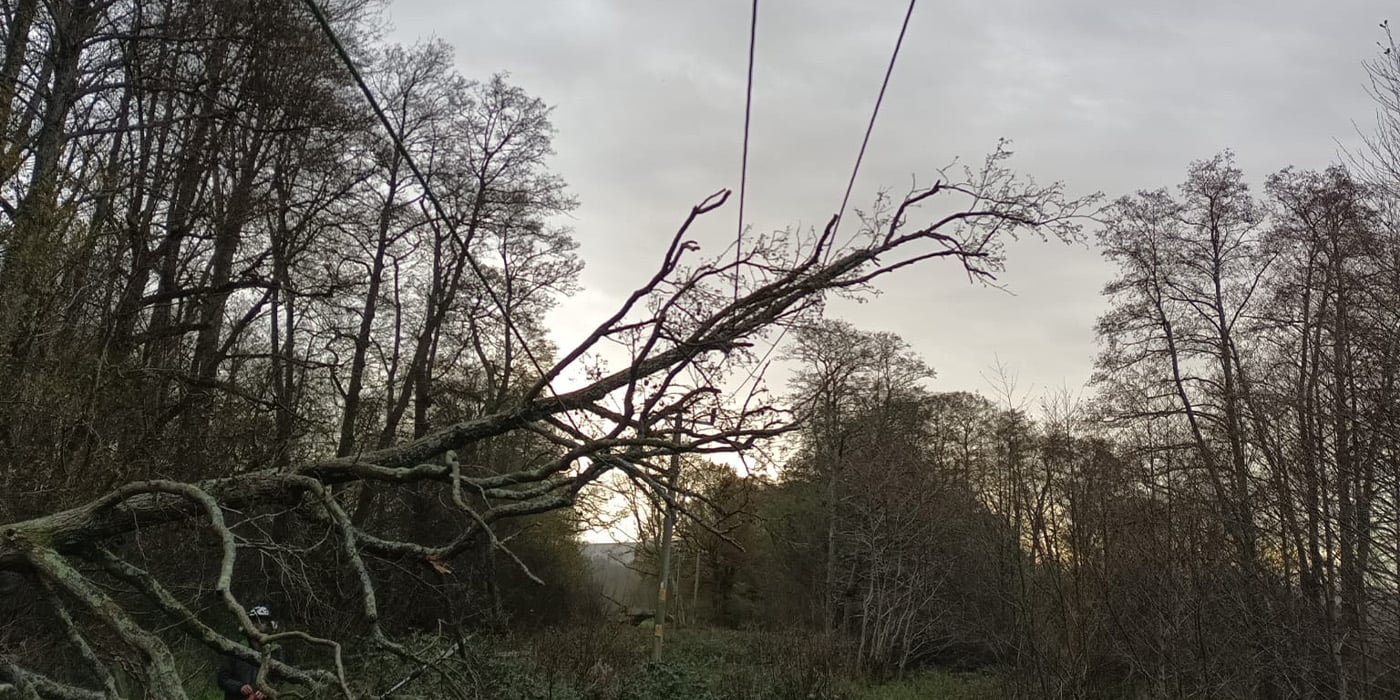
(1105, 96)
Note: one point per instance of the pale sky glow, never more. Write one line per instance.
(1106, 96)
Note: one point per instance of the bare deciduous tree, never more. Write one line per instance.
(685, 329)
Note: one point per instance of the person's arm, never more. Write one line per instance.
(228, 676)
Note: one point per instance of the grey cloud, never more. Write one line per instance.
(1111, 96)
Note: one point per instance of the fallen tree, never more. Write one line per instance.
(690, 331)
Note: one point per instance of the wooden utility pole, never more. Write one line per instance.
(668, 526)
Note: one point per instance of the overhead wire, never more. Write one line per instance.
(855, 170)
(744, 162)
(324, 23)
(870, 128)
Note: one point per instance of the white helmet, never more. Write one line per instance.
(261, 613)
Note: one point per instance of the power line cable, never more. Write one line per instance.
(744, 163)
(894, 56)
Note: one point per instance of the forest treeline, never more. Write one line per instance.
(264, 339)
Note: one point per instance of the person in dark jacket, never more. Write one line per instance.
(238, 678)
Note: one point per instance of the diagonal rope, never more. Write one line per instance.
(873, 114)
(869, 128)
(744, 163)
(441, 212)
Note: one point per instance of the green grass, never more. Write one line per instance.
(936, 686)
(612, 663)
